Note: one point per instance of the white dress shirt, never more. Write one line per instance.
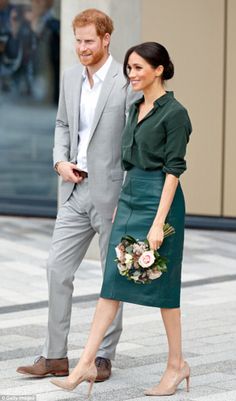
(88, 103)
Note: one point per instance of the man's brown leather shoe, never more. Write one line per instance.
(103, 368)
(43, 367)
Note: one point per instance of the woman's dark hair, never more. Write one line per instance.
(155, 54)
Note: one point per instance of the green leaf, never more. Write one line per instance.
(128, 238)
(129, 249)
(162, 268)
(156, 254)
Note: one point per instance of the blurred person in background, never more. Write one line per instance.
(10, 48)
(45, 50)
(30, 50)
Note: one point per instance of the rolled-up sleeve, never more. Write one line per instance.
(178, 131)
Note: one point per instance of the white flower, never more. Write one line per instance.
(128, 259)
(122, 268)
(146, 259)
(154, 274)
(135, 276)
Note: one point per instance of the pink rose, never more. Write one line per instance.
(146, 259)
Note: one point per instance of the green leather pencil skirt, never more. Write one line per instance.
(137, 207)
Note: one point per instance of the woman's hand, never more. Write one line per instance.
(155, 236)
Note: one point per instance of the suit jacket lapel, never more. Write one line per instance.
(104, 94)
(77, 86)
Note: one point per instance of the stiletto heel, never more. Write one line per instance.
(70, 384)
(184, 373)
(90, 388)
(188, 382)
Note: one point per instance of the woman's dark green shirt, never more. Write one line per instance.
(159, 140)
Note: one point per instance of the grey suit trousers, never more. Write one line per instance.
(76, 224)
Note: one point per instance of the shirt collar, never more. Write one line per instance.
(160, 101)
(164, 98)
(102, 72)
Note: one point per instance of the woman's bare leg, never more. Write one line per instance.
(172, 322)
(105, 313)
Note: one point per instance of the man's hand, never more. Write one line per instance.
(69, 172)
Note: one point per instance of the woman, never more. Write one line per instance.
(153, 150)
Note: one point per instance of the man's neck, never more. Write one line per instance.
(92, 69)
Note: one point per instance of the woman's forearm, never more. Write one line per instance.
(167, 196)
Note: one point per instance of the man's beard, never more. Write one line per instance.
(92, 58)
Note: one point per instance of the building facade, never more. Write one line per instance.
(200, 36)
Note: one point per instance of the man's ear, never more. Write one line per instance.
(106, 39)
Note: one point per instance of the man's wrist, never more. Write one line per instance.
(57, 165)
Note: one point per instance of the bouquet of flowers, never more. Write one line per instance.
(137, 262)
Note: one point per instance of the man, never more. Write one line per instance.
(91, 116)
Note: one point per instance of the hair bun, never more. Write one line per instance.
(168, 71)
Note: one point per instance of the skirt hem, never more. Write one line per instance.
(160, 304)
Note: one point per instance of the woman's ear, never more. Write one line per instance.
(159, 70)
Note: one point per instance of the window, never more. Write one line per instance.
(29, 86)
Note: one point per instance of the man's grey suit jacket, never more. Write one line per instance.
(104, 148)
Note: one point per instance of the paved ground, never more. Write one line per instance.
(208, 315)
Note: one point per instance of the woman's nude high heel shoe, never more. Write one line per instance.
(68, 384)
(184, 374)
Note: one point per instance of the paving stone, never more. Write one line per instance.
(228, 384)
(208, 318)
(226, 396)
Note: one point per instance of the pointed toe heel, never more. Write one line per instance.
(184, 374)
(64, 384)
(90, 376)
